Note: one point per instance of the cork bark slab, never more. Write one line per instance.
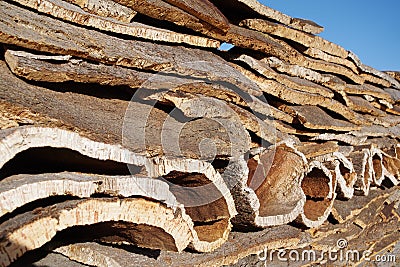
(256, 8)
(75, 41)
(291, 82)
(194, 106)
(238, 246)
(370, 90)
(195, 17)
(382, 78)
(214, 195)
(322, 55)
(394, 74)
(343, 170)
(40, 186)
(57, 68)
(31, 230)
(319, 185)
(68, 12)
(303, 38)
(362, 105)
(280, 196)
(297, 71)
(106, 8)
(313, 117)
(301, 98)
(312, 150)
(19, 139)
(65, 69)
(204, 10)
(246, 38)
(259, 187)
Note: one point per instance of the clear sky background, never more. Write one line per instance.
(371, 29)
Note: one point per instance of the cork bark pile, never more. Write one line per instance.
(130, 137)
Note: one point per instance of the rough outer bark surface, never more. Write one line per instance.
(295, 35)
(204, 10)
(75, 41)
(269, 13)
(106, 8)
(68, 12)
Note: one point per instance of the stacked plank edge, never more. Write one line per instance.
(128, 138)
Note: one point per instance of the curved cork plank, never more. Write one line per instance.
(259, 9)
(32, 230)
(279, 193)
(387, 121)
(296, 71)
(391, 168)
(367, 89)
(301, 98)
(16, 140)
(45, 34)
(378, 131)
(164, 11)
(298, 36)
(394, 74)
(44, 68)
(40, 186)
(313, 117)
(205, 195)
(263, 195)
(322, 55)
(313, 150)
(106, 8)
(378, 174)
(344, 172)
(68, 12)
(316, 64)
(319, 185)
(57, 68)
(195, 106)
(246, 38)
(383, 78)
(334, 158)
(291, 82)
(359, 104)
(204, 10)
(229, 253)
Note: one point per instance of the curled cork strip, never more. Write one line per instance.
(32, 230)
(266, 196)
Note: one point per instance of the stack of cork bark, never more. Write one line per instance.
(129, 137)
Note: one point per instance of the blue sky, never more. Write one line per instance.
(371, 29)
